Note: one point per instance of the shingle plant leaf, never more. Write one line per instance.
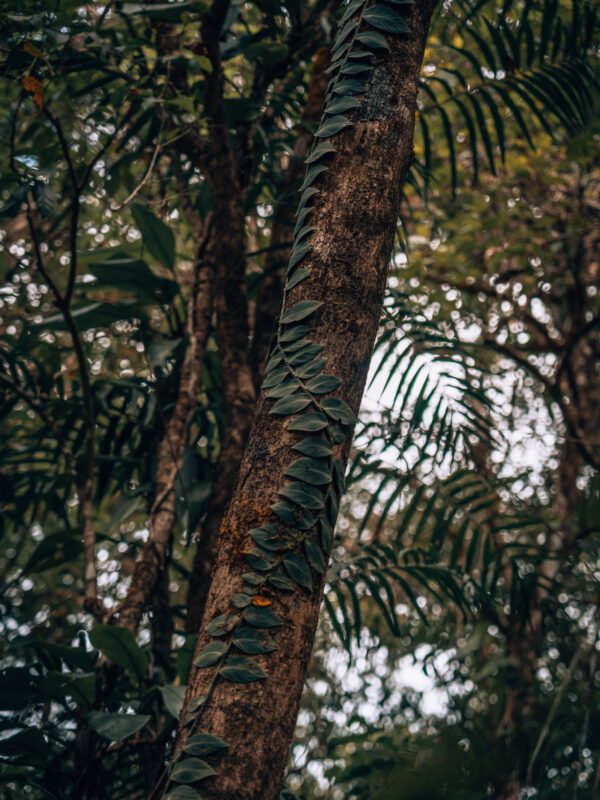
(204, 744)
(190, 770)
(210, 654)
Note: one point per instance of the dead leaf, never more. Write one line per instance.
(260, 601)
(31, 84)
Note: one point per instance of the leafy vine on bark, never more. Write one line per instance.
(299, 534)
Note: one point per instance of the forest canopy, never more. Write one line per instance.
(220, 222)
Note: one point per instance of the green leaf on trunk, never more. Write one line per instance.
(304, 232)
(338, 472)
(281, 582)
(311, 369)
(293, 334)
(305, 197)
(253, 579)
(253, 640)
(241, 600)
(338, 409)
(275, 377)
(385, 19)
(293, 516)
(297, 254)
(241, 669)
(312, 174)
(297, 278)
(310, 422)
(262, 618)
(298, 570)
(291, 405)
(289, 387)
(300, 310)
(182, 793)
(299, 493)
(191, 770)
(323, 384)
(305, 355)
(333, 125)
(313, 446)
(210, 654)
(349, 86)
(309, 470)
(320, 150)
(314, 554)
(373, 39)
(341, 104)
(337, 434)
(222, 624)
(268, 540)
(326, 534)
(203, 744)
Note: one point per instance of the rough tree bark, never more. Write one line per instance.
(355, 220)
(267, 307)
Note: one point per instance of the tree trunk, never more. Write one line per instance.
(354, 222)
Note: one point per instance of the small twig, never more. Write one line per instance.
(553, 709)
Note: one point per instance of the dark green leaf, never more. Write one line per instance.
(262, 618)
(293, 515)
(313, 446)
(312, 174)
(191, 770)
(311, 369)
(291, 405)
(298, 570)
(116, 726)
(241, 600)
(296, 278)
(284, 389)
(323, 384)
(210, 654)
(300, 494)
(314, 555)
(320, 150)
(203, 744)
(253, 640)
(156, 236)
(119, 646)
(292, 334)
(372, 39)
(298, 253)
(309, 470)
(281, 582)
(300, 310)
(385, 19)
(275, 377)
(222, 624)
(310, 422)
(182, 793)
(338, 409)
(241, 669)
(172, 697)
(340, 104)
(332, 125)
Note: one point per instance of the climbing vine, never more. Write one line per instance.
(298, 537)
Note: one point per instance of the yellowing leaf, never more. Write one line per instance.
(260, 601)
(33, 50)
(32, 85)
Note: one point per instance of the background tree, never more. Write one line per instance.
(127, 401)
